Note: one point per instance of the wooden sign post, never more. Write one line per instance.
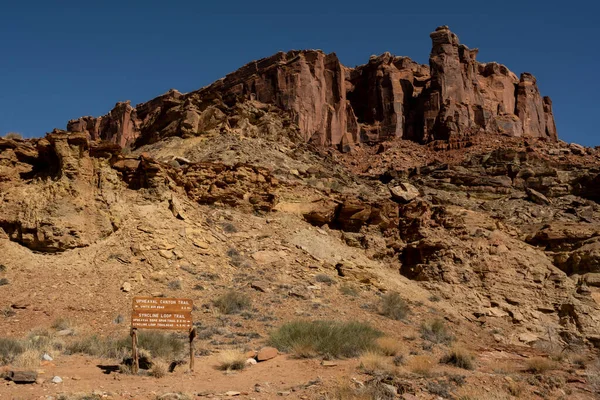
(161, 313)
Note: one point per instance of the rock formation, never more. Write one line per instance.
(332, 105)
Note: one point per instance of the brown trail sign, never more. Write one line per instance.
(161, 313)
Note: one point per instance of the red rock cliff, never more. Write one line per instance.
(332, 105)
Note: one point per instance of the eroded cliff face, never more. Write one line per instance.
(389, 97)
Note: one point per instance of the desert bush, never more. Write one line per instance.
(99, 347)
(61, 324)
(422, 365)
(231, 360)
(436, 332)
(373, 362)
(389, 346)
(3, 281)
(348, 290)
(232, 302)
(539, 365)
(439, 388)
(434, 298)
(174, 285)
(13, 135)
(28, 359)
(393, 306)
(159, 344)
(331, 338)
(372, 390)
(323, 278)
(458, 357)
(159, 369)
(9, 350)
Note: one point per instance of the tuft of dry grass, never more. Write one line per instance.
(29, 359)
(61, 324)
(232, 302)
(231, 360)
(393, 306)
(13, 135)
(459, 357)
(373, 362)
(539, 365)
(506, 367)
(329, 338)
(159, 369)
(436, 332)
(421, 365)
(389, 346)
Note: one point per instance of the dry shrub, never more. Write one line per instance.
(436, 332)
(506, 367)
(159, 344)
(29, 359)
(516, 388)
(232, 302)
(459, 357)
(393, 306)
(539, 365)
(329, 338)
(370, 391)
(421, 365)
(389, 346)
(159, 369)
(13, 135)
(373, 362)
(10, 349)
(61, 324)
(348, 290)
(231, 360)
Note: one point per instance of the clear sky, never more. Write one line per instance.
(62, 60)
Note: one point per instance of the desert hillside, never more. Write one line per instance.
(389, 231)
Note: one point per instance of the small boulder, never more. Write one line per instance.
(56, 379)
(23, 376)
(251, 361)
(537, 197)
(126, 287)
(404, 193)
(266, 353)
(46, 357)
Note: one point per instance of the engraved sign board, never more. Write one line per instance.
(162, 313)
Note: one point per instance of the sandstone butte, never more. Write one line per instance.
(312, 191)
(333, 105)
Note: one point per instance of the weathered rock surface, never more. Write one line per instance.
(333, 105)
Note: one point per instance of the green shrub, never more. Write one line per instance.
(436, 332)
(393, 306)
(232, 302)
(9, 350)
(348, 290)
(459, 358)
(159, 344)
(330, 338)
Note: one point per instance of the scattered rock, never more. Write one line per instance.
(65, 332)
(23, 376)
(168, 254)
(260, 286)
(251, 361)
(232, 393)
(528, 337)
(126, 287)
(46, 357)
(326, 363)
(56, 379)
(404, 192)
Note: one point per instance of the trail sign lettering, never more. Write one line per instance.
(162, 313)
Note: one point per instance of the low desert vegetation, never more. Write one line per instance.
(10, 349)
(325, 338)
(160, 344)
(28, 352)
(459, 357)
(231, 360)
(436, 332)
(370, 391)
(393, 306)
(61, 324)
(232, 302)
(13, 135)
(372, 362)
(389, 346)
(348, 290)
(324, 278)
(539, 365)
(159, 369)
(421, 365)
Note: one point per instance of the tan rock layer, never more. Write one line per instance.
(333, 105)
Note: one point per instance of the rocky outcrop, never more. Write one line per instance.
(333, 105)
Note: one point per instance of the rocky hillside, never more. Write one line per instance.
(445, 183)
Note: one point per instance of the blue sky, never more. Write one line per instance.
(80, 58)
